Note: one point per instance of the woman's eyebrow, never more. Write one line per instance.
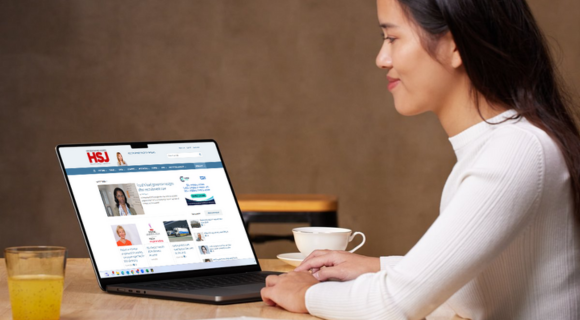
(387, 25)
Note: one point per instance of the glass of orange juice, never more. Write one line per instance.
(35, 281)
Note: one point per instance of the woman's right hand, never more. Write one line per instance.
(338, 265)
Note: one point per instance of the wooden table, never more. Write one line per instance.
(83, 299)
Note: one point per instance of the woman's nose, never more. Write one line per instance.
(384, 60)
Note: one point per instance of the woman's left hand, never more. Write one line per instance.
(288, 290)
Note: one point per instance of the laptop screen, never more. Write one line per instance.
(156, 209)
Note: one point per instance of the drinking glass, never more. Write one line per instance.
(35, 281)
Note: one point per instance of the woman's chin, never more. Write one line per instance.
(406, 111)
(409, 107)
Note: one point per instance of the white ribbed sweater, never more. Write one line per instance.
(505, 245)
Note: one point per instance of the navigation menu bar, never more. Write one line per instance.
(145, 168)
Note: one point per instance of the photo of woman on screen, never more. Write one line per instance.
(120, 160)
(122, 234)
(123, 208)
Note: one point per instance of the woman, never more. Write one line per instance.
(123, 208)
(203, 249)
(506, 244)
(121, 233)
(120, 160)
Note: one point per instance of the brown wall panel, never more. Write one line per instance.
(288, 88)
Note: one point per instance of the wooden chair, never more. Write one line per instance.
(316, 209)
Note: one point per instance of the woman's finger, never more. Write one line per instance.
(265, 293)
(324, 260)
(330, 273)
(271, 280)
(314, 254)
(317, 253)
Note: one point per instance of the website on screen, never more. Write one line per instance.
(168, 207)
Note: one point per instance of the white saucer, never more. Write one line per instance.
(294, 258)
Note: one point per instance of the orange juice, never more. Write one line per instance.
(35, 296)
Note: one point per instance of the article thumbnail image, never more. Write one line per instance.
(177, 230)
(199, 236)
(126, 235)
(195, 224)
(203, 250)
(121, 199)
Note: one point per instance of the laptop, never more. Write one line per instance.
(160, 219)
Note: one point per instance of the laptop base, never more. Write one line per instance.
(217, 295)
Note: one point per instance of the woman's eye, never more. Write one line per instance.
(389, 39)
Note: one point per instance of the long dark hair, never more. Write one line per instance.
(507, 60)
(124, 196)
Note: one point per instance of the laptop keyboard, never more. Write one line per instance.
(208, 282)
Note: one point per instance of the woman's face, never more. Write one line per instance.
(119, 157)
(121, 233)
(120, 197)
(418, 81)
(204, 249)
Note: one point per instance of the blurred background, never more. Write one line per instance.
(289, 90)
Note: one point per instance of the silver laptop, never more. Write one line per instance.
(160, 219)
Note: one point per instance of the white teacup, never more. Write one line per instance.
(309, 239)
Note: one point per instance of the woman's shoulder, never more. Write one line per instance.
(522, 132)
(127, 243)
(520, 138)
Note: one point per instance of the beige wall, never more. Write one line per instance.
(288, 88)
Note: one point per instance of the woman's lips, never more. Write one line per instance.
(393, 82)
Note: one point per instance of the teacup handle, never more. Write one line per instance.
(361, 244)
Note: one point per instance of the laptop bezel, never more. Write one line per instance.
(104, 282)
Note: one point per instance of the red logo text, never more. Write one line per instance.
(98, 157)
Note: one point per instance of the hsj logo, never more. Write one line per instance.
(98, 156)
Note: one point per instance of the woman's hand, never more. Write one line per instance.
(338, 265)
(288, 290)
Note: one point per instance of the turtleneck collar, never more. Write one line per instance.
(472, 133)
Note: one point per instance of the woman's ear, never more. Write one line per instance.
(456, 61)
(451, 51)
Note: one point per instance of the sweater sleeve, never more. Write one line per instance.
(496, 199)
(389, 261)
